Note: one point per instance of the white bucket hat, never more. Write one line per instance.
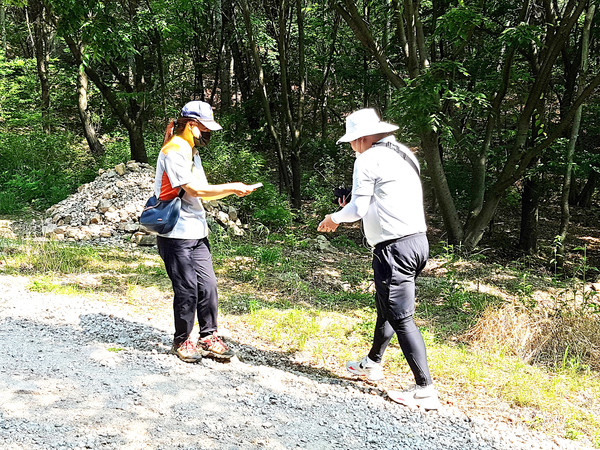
(365, 122)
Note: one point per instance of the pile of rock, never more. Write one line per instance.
(108, 209)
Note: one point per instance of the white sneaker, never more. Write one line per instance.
(425, 397)
(366, 368)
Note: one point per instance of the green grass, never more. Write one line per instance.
(301, 302)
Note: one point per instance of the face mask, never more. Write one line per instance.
(203, 140)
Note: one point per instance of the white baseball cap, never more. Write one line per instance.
(202, 112)
(365, 122)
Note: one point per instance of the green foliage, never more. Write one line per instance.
(271, 208)
(39, 170)
(225, 161)
(523, 35)
(19, 93)
(228, 161)
(457, 23)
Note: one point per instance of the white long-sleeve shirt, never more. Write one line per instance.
(386, 194)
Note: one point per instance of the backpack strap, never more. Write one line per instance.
(403, 154)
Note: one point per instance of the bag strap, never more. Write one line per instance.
(404, 156)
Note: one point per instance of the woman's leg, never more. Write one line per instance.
(179, 263)
(208, 299)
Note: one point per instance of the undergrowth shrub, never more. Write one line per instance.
(39, 170)
(228, 161)
(19, 95)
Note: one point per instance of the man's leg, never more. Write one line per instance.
(396, 266)
(383, 332)
(413, 347)
(407, 258)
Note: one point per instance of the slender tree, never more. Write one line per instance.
(40, 35)
(564, 202)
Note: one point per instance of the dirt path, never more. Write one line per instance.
(76, 373)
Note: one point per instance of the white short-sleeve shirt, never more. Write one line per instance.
(178, 165)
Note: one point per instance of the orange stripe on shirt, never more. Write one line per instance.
(167, 192)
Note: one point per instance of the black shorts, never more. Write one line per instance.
(396, 265)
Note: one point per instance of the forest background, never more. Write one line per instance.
(497, 98)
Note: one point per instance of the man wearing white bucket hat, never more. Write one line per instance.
(388, 197)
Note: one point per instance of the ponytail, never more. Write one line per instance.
(169, 132)
(174, 126)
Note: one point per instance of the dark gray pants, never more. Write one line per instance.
(189, 265)
(396, 265)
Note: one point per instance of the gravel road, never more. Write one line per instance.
(77, 373)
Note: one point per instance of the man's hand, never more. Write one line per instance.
(327, 225)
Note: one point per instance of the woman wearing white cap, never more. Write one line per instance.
(388, 197)
(185, 250)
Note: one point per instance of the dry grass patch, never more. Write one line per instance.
(556, 336)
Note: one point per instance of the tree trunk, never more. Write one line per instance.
(565, 216)
(136, 141)
(283, 171)
(293, 117)
(226, 92)
(429, 143)
(40, 42)
(242, 64)
(585, 197)
(475, 229)
(530, 206)
(129, 113)
(3, 26)
(321, 100)
(161, 73)
(96, 147)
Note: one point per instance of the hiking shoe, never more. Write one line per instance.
(372, 371)
(212, 345)
(425, 397)
(187, 351)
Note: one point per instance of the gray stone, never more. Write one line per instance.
(144, 239)
(120, 169)
(103, 205)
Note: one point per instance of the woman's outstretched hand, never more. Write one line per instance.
(241, 189)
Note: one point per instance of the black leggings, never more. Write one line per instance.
(411, 343)
(396, 265)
